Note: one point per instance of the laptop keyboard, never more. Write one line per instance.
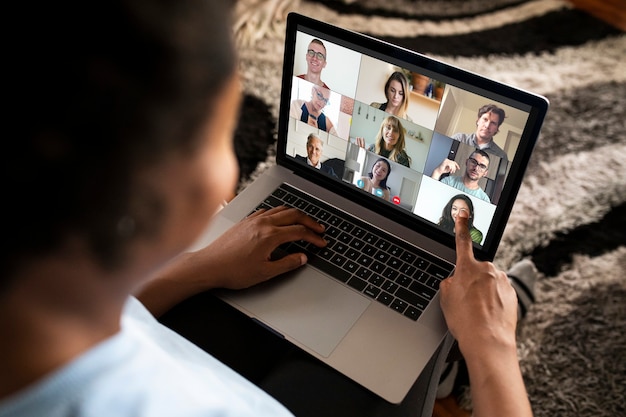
(382, 267)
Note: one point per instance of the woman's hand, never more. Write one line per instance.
(478, 301)
(480, 308)
(240, 258)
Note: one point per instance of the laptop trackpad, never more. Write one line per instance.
(307, 306)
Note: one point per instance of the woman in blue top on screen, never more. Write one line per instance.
(312, 112)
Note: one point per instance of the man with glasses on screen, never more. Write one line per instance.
(476, 167)
(316, 62)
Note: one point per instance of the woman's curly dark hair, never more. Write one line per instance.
(99, 90)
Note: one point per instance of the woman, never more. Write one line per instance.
(376, 181)
(397, 95)
(127, 146)
(312, 112)
(390, 141)
(458, 203)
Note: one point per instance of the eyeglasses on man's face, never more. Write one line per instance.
(321, 97)
(315, 54)
(474, 163)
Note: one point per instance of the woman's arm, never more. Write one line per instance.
(240, 258)
(480, 308)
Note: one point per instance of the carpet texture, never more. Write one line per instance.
(570, 214)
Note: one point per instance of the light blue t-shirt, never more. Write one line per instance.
(145, 370)
(457, 182)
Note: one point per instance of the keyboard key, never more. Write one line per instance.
(383, 245)
(338, 259)
(345, 238)
(363, 273)
(311, 210)
(412, 312)
(404, 281)
(351, 267)
(364, 260)
(332, 232)
(421, 289)
(369, 250)
(371, 291)
(433, 282)
(395, 251)
(323, 215)
(358, 232)
(290, 199)
(329, 268)
(326, 253)
(346, 227)
(357, 244)
(408, 257)
(389, 286)
(390, 274)
(394, 263)
(272, 201)
(279, 193)
(421, 276)
(340, 248)
(353, 254)
(382, 256)
(384, 298)
(407, 269)
(412, 298)
(438, 271)
(377, 280)
(378, 267)
(370, 238)
(301, 204)
(399, 305)
(421, 263)
(334, 220)
(357, 283)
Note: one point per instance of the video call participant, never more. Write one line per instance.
(458, 203)
(390, 141)
(315, 62)
(376, 180)
(490, 117)
(314, 149)
(312, 112)
(397, 95)
(476, 168)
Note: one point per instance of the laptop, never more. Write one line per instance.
(368, 304)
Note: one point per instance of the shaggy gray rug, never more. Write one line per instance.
(570, 215)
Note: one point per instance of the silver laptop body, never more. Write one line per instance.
(381, 347)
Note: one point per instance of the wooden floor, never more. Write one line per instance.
(612, 12)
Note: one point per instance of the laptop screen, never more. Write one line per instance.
(409, 136)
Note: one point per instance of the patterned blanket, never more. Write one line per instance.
(570, 214)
